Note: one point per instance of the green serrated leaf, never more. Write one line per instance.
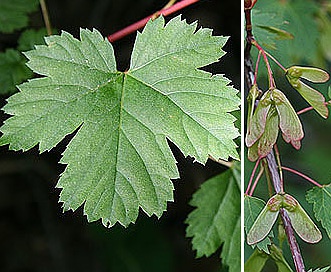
(252, 208)
(320, 197)
(119, 159)
(216, 219)
(319, 269)
(13, 71)
(14, 14)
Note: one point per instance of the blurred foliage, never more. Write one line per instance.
(310, 24)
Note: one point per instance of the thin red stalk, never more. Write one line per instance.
(311, 108)
(271, 79)
(259, 175)
(252, 175)
(141, 23)
(257, 66)
(302, 175)
(276, 61)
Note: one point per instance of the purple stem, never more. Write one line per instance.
(271, 161)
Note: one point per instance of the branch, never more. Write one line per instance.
(270, 158)
(137, 25)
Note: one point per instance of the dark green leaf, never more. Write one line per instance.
(14, 14)
(216, 219)
(321, 200)
(30, 38)
(13, 71)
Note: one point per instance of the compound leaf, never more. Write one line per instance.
(320, 197)
(216, 219)
(14, 14)
(119, 159)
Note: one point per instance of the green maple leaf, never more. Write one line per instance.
(119, 159)
(14, 14)
(13, 71)
(216, 219)
(320, 197)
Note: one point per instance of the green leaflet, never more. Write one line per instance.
(321, 200)
(119, 161)
(216, 219)
(301, 222)
(265, 221)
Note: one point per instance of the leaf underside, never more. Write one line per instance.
(119, 159)
(216, 219)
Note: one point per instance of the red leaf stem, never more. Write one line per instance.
(302, 175)
(141, 23)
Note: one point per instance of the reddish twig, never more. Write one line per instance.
(252, 175)
(302, 175)
(311, 108)
(259, 175)
(137, 25)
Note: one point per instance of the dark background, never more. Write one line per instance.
(34, 233)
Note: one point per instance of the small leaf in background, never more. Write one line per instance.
(30, 38)
(300, 220)
(252, 208)
(216, 219)
(289, 121)
(268, 28)
(258, 120)
(321, 200)
(312, 96)
(119, 160)
(14, 14)
(265, 221)
(319, 269)
(256, 261)
(13, 71)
